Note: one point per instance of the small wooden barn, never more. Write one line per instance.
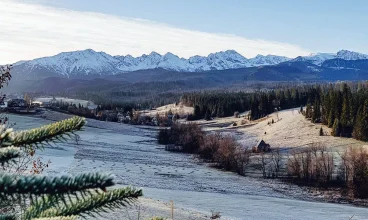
(262, 146)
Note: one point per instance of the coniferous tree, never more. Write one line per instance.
(308, 111)
(365, 122)
(316, 115)
(324, 109)
(336, 128)
(331, 118)
(207, 116)
(346, 116)
(197, 112)
(359, 125)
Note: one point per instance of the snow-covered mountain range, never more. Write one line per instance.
(319, 58)
(90, 62)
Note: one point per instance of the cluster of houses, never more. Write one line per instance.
(18, 106)
(132, 118)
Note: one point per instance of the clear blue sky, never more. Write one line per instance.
(317, 25)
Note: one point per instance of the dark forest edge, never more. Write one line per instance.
(341, 106)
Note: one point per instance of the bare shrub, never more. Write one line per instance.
(294, 165)
(242, 159)
(323, 162)
(263, 161)
(190, 136)
(225, 154)
(276, 162)
(314, 164)
(223, 150)
(270, 163)
(354, 170)
(210, 146)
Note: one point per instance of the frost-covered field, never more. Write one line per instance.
(132, 154)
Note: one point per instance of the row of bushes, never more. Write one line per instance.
(223, 150)
(318, 166)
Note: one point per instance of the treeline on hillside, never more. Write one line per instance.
(144, 101)
(144, 96)
(84, 111)
(342, 107)
(224, 104)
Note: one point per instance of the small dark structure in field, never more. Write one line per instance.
(173, 147)
(262, 146)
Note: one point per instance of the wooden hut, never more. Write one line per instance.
(262, 146)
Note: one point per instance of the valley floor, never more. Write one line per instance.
(132, 154)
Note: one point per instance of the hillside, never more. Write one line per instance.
(290, 130)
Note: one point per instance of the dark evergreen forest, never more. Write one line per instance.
(341, 106)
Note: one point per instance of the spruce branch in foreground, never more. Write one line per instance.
(8, 154)
(91, 204)
(47, 133)
(7, 217)
(11, 184)
(59, 218)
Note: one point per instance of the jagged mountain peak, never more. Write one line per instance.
(81, 62)
(171, 55)
(153, 53)
(262, 60)
(226, 54)
(350, 55)
(319, 58)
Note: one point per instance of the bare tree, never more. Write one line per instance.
(242, 159)
(294, 165)
(263, 162)
(276, 159)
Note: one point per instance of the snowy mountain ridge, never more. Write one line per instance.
(90, 62)
(319, 58)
